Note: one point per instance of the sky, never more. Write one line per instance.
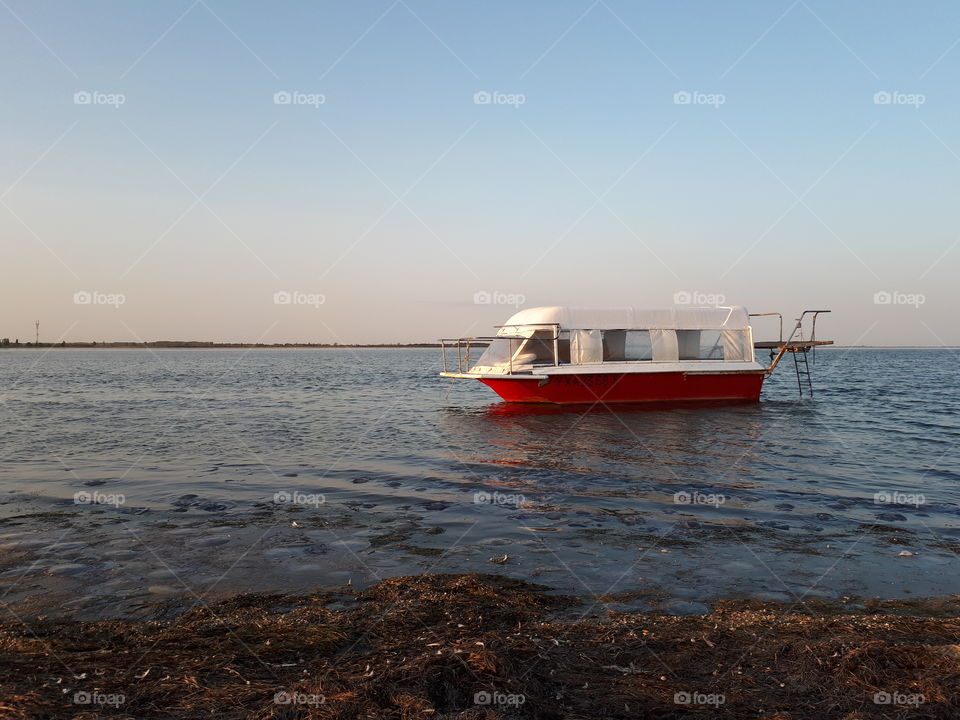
(363, 171)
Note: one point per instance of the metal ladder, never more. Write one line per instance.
(797, 346)
(803, 370)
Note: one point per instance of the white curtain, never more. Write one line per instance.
(736, 346)
(586, 346)
(664, 345)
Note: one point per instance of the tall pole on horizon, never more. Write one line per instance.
(36, 342)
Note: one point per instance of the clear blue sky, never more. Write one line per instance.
(783, 184)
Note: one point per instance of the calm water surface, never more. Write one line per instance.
(131, 477)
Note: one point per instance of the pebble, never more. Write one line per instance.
(211, 541)
(68, 569)
(683, 607)
(162, 590)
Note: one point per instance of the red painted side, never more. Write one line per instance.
(630, 388)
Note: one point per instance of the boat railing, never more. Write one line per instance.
(464, 344)
(771, 314)
(798, 344)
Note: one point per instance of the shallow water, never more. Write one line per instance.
(202, 472)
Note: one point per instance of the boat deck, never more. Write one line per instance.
(790, 344)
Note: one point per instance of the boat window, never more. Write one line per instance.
(638, 345)
(711, 345)
(613, 345)
(688, 344)
(537, 349)
(498, 353)
(700, 344)
(563, 346)
(626, 345)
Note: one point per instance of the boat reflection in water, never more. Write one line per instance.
(660, 444)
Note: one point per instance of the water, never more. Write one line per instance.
(130, 478)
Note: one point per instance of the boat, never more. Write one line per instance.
(570, 355)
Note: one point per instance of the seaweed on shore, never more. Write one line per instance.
(482, 647)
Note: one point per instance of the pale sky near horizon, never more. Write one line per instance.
(375, 171)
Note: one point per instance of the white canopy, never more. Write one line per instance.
(628, 318)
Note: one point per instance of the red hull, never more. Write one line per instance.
(630, 388)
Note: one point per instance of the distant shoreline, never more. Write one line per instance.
(202, 345)
(187, 345)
